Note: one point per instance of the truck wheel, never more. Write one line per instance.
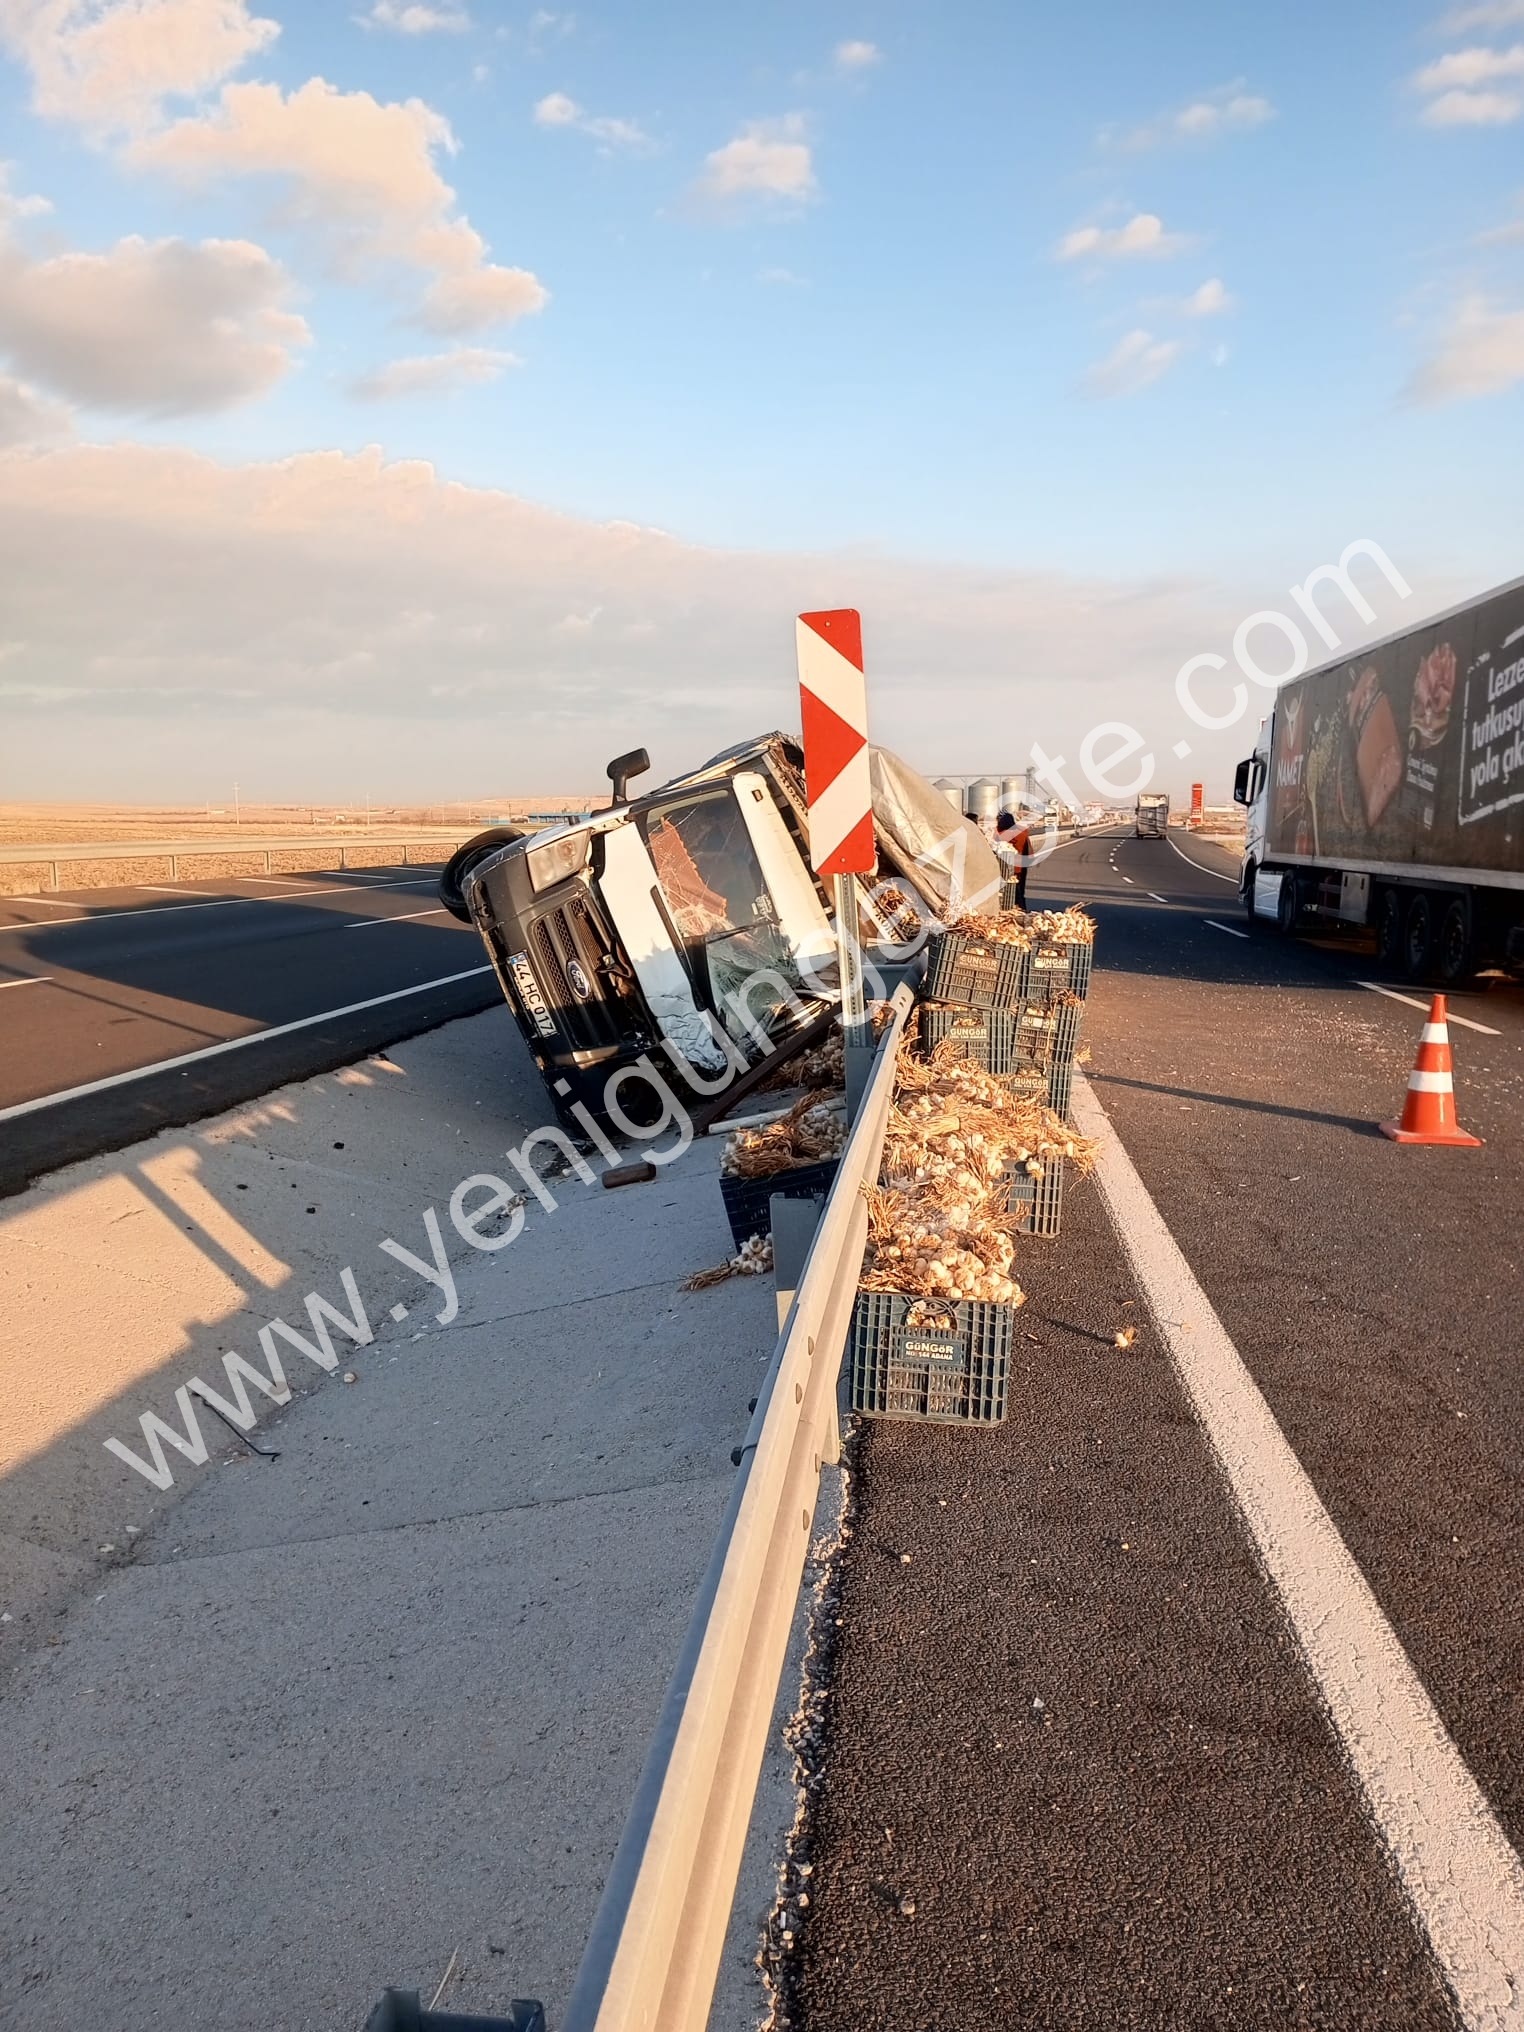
(464, 859)
(1285, 909)
(1249, 873)
(1452, 951)
(1389, 928)
(1418, 938)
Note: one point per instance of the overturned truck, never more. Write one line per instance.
(687, 922)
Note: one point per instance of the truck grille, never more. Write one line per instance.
(562, 935)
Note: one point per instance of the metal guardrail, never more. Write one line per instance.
(439, 844)
(653, 1956)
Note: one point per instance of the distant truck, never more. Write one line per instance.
(1152, 815)
(686, 923)
(1387, 789)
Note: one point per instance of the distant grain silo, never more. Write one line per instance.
(981, 800)
(951, 788)
(1012, 791)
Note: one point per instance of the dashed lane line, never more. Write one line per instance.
(1466, 1022)
(403, 917)
(1463, 1880)
(1231, 929)
(1215, 873)
(1157, 897)
(31, 981)
(121, 1079)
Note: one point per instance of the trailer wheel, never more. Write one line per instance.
(1418, 938)
(1452, 952)
(1286, 905)
(1389, 928)
(464, 859)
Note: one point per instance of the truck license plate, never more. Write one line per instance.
(529, 994)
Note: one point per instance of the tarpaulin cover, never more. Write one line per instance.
(947, 856)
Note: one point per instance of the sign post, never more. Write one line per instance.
(833, 702)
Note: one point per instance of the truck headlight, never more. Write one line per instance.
(566, 854)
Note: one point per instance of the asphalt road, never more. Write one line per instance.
(103, 992)
(1075, 1772)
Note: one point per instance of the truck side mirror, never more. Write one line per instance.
(1242, 777)
(623, 767)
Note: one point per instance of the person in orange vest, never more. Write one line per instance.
(1012, 833)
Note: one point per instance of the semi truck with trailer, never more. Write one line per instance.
(1386, 789)
(687, 923)
(1151, 818)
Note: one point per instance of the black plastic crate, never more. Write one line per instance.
(1042, 1197)
(748, 1201)
(943, 1361)
(975, 973)
(987, 1036)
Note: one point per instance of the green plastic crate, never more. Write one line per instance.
(941, 1361)
(975, 973)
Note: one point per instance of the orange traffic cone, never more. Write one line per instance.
(1428, 1114)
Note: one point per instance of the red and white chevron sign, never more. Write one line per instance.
(833, 702)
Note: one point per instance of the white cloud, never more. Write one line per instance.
(1468, 68)
(1136, 361)
(109, 65)
(159, 328)
(330, 613)
(1472, 109)
(1143, 234)
(1225, 110)
(1210, 300)
(1482, 353)
(556, 109)
(1484, 14)
(416, 19)
(857, 56)
(433, 373)
(27, 418)
(768, 159)
(780, 278)
(362, 174)
(1464, 83)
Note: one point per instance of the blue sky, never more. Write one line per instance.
(1135, 303)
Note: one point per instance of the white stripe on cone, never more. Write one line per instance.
(1430, 1083)
(1435, 1033)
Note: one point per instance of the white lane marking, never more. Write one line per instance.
(1465, 1883)
(1157, 897)
(47, 902)
(1129, 881)
(1231, 929)
(1413, 1002)
(222, 902)
(1215, 873)
(31, 981)
(403, 917)
(121, 1079)
(158, 889)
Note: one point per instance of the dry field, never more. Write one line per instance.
(62, 825)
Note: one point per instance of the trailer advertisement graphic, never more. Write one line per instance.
(1412, 751)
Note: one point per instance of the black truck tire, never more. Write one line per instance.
(1418, 937)
(1453, 958)
(1389, 928)
(464, 859)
